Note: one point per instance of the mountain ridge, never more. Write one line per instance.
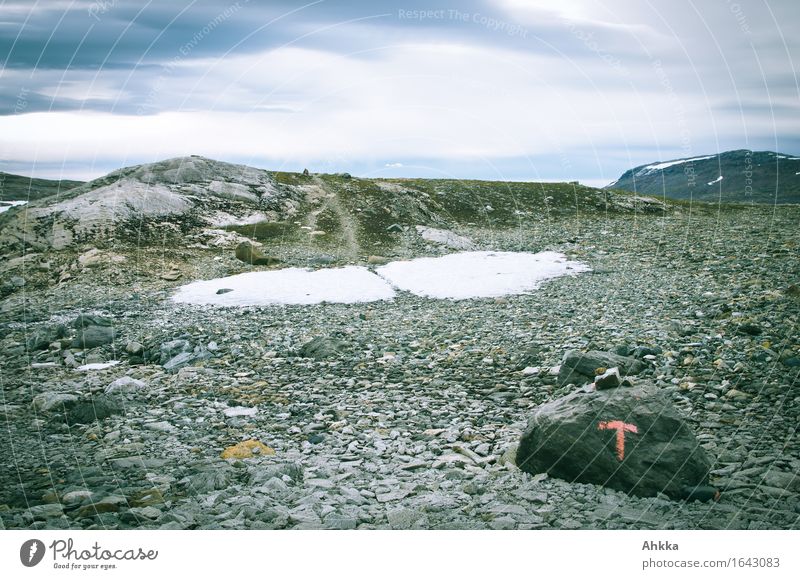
(19, 187)
(738, 176)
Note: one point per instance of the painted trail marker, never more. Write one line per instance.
(621, 428)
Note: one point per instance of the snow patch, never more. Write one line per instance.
(294, 285)
(478, 274)
(6, 205)
(660, 166)
(235, 411)
(717, 180)
(458, 276)
(223, 219)
(96, 366)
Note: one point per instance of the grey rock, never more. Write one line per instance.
(160, 426)
(93, 337)
(40, 339)
(172, 348)
(782, 480)
(184, 359)
(445, 238)
(749, 329)
(47, 401)
(580, 367)
(97, 408)
(125, 385)
(216, 476)
(134, 348)
(503, 524)
(340, 523)
(322, 260)
(608, 379)
(321, 347)
(84, 321)
(43, 512)
(149, 512)
(577, 438)
(404, 519)
(251, 254)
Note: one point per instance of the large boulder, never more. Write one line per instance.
(172, 348)
(97, 408)
(93, 337)
(445, 237)
(581, 367)
(40, 339)
(249, 253)
(93, 331)
(629, 439)
(321, 347)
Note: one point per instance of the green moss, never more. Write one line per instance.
(286, 178)
(267, 230)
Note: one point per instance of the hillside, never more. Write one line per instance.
(740, 176)
(178, 199)
(20, 188)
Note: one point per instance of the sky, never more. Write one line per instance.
(504, 90)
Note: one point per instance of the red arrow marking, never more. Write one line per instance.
(621, 428)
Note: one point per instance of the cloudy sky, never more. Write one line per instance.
(502, 89)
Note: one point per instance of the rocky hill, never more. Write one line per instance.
(740, 176)
(182, 199)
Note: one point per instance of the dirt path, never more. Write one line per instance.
(347, 225)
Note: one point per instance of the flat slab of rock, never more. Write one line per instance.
(629, 439)
(581, 367)
(445, 237)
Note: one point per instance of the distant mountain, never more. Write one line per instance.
(20, 188)
(741, 176)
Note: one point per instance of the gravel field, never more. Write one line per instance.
(401, 414)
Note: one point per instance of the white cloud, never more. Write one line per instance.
(439, 101)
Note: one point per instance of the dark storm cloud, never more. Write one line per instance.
(132, 43)
(121, 33)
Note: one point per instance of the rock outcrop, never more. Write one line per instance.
(581, 367)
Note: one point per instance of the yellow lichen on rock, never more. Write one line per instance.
(247, 449)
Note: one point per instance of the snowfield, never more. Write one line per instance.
(477, 274)
(294, 285)
(458, 276)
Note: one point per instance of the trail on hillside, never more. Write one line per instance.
(329, 200)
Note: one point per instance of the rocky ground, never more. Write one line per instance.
(405, 414)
